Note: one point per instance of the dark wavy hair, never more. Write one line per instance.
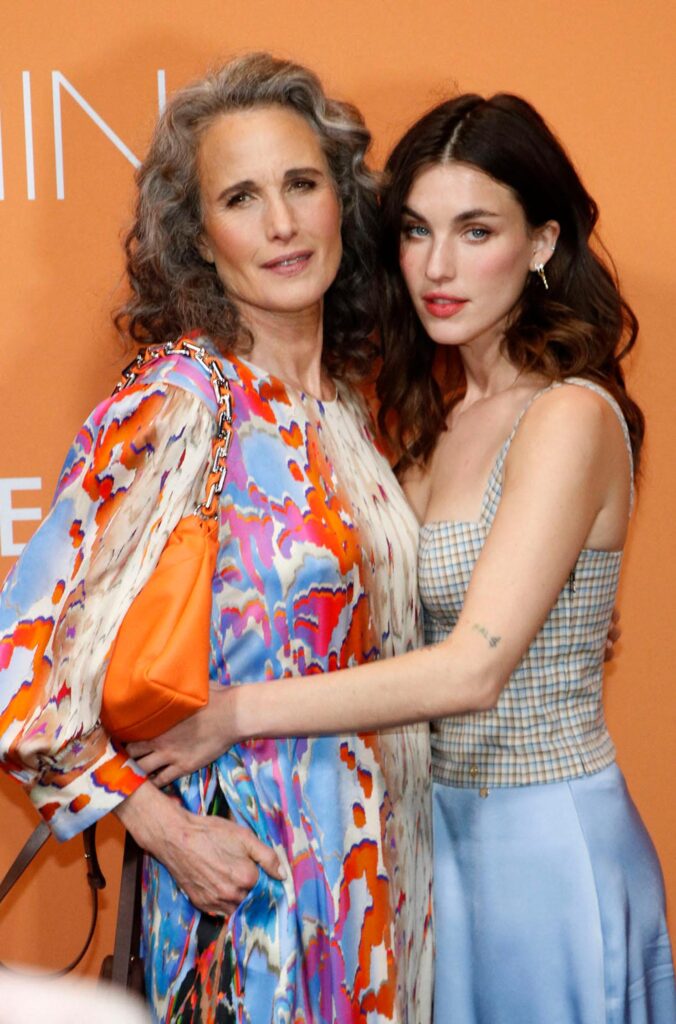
(580, 327)
(173, 289)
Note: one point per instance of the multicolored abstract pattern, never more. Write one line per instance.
(131, 473)
(316, 571)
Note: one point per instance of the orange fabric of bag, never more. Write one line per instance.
(158, 671)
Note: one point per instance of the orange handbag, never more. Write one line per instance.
(158, 670)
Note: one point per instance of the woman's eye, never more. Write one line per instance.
(415, 231)
(302, 185)
(478, 234)
(237, 199)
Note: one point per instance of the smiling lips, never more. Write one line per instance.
(290, 264)
(442, 306)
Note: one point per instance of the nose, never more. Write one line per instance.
(440, 261)
(280, 219)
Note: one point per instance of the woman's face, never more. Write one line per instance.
(271, 217)
(465, 253)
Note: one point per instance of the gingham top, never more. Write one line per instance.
(548, 724)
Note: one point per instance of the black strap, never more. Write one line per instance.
(95, 879)
(28, 851)
(126, 966)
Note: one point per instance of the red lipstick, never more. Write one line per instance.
(442, 306)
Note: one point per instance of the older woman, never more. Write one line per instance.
(548, 894)
(253, 232)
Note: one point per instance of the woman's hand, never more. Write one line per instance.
(192, 744)
(213, 860)
(614, 634)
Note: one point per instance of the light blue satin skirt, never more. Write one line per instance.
(549, 907)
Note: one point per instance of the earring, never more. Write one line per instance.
(540, 271)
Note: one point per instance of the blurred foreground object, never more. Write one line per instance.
(31, 999)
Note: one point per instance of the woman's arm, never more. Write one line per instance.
(135, 468)
(128, 478)
(563, 464)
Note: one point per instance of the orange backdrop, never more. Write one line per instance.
(79, 90)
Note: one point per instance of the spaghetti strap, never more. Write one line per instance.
(496, 472)
(601, 391)
(579, 382)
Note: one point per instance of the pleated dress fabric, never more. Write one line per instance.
(549, 900)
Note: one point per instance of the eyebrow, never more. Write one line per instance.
(248, 184)
(460, 218)
(238, 186)
(295, 172)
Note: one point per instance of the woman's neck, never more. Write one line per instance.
(289, 346)
(489, 371)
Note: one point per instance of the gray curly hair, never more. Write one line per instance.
(173, 289)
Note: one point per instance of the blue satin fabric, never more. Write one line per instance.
(549, 907)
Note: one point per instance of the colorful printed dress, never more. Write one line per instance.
(316, 571)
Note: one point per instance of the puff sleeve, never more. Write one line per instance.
(135, 468)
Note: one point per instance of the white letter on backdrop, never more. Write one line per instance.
(161, 89)
(2, 168)
(9, 515)
(28, 134)
(58, 80)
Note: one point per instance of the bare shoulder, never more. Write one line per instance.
(570, 416)
(574, 402)
(571, 434)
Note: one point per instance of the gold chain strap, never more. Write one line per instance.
(220, 444)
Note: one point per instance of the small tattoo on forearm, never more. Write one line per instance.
(493, 641)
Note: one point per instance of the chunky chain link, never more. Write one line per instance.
(220, 445)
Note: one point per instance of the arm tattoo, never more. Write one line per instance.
(493, 641)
